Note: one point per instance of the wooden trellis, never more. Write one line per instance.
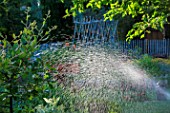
(90, 30)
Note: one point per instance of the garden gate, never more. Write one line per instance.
(89, 30)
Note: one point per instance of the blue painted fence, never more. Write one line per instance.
(151, 47)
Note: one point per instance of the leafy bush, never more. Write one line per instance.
(151, 67)
(24, 82)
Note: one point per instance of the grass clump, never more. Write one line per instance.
(162, 60)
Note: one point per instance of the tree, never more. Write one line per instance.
(12, 12)
(57, 9)
(152, 13)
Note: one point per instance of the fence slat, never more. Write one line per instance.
(151, 47)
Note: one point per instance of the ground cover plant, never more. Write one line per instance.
(155, 67)
(162, 60)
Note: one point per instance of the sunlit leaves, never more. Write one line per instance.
(67, 12)
(138, 29)
(89, 5)
(154, 13)
(53, 101)
(62, 1)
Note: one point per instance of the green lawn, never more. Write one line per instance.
(164, 65)
(148, 107)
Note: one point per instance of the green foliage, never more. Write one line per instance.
(23, 82)
(11, 14)
(60, 101)
(26, 85)
(162, 60)
(153, 13)
(97, 105)
(113, 107)
(151, 67)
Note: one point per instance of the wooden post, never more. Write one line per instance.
(146, 46)
(11, 98)
(11, 105)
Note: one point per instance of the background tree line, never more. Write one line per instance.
(135, 16)
(12, 12)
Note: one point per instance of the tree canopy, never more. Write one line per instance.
(153, 13)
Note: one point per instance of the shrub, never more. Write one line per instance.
(151, 67)
(25, 82)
